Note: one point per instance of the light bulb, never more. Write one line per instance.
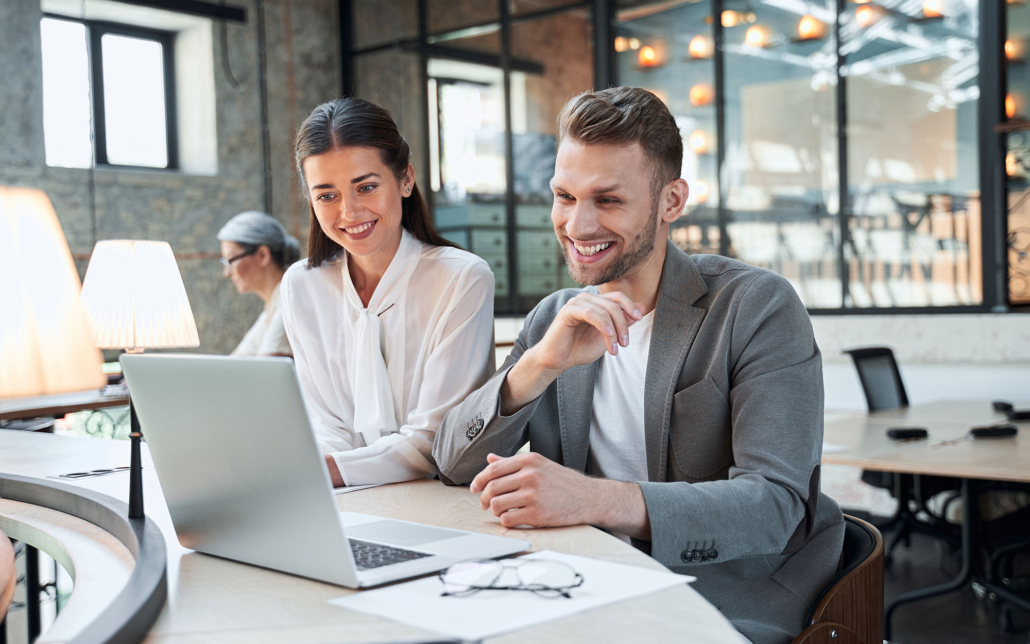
(700, 95)
(698, 142)
(866, 15)
(1010, 106)
(621, 44)
(700, 47)
(932, 8)
(809, 28)
(756, 36)
(647, 57)
(634, 43)
(730, 18)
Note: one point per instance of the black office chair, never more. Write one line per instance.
(881, 382)
(850, 608)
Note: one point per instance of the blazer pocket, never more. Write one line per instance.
(700, 436)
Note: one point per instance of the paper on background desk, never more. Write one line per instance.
(489, 613)
(829, 448)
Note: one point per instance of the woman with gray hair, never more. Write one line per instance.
(256, 251)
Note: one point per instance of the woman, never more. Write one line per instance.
(256, 251)
(390, 324)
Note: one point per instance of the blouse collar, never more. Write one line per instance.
(394, 280)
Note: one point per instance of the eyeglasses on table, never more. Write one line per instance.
(544, 577)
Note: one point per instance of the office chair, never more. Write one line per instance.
(881, 382)
(850, 608)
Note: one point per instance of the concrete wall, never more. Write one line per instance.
(303, 70)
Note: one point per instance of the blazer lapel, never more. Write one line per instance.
(676, 323)
(575, 404)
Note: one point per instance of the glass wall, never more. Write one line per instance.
(835, 143)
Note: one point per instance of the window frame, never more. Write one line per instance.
(95, 31)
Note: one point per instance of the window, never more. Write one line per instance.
(108, 95)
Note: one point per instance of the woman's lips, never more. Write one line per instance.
(365, 229)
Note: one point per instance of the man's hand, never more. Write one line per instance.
(585, 327)
(529, 489)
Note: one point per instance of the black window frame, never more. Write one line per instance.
(990, 121)
(95, 31)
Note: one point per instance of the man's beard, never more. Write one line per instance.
(642, 246)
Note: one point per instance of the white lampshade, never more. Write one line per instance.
(45, 342)
(135, 297)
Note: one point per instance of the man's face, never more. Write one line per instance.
(604, 215)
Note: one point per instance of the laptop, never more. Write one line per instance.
(244, 478)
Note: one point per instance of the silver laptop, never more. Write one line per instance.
(244, 478)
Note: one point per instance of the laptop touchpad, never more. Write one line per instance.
(399, 533)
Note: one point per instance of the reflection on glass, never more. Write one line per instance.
(669, 51)
(66, 97)
(1017, 159)
(914, 215)
(447, 15)
(134, 101)
(780, 172)
(469, 178)
(558, 56)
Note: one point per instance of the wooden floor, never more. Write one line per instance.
(957, 618)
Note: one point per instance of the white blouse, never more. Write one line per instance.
(376, 405)
(268, 336)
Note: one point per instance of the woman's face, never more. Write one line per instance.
(244, 270)
(357, 199)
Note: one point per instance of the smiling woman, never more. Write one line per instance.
(390, 324)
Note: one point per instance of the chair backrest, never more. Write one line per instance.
(881, 380)
(850, 609)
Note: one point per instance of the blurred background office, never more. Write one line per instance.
(875, 154)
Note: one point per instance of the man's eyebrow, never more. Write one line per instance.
(363, 177)
(605, 189)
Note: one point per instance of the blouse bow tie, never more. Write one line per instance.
(374, 408)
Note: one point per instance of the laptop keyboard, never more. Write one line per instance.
(375, 555)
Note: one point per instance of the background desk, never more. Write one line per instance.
(216, 600)
(57, 404)
(945, 452)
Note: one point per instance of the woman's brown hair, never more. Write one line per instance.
(347, 122)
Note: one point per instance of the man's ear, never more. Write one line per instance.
(675, 201)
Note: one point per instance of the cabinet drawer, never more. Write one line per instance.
(459, 237)
(531, 240)
(489, 241)
(538, 284)
(487, 214)
(533, 216)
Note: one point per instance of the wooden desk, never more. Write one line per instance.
(217, 600)
(945, 452)
(941, 454)
(57, 404)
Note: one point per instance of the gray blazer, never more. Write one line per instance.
(733, 428)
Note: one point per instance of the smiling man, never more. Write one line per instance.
(676, 401)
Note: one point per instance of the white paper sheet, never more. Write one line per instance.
(354, 488)
(489, 613)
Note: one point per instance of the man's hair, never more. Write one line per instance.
(625, 115)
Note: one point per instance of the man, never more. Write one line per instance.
(675, 400)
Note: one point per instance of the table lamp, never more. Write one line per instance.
(45, 342)
(135, 300)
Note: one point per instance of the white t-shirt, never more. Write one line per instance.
(267, 336)
(617, 446)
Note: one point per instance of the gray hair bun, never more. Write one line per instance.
(255, 228)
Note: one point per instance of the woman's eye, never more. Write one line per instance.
(326, 198)
(366, 188)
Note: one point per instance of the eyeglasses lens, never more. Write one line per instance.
(546, 575)
(466, 576)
